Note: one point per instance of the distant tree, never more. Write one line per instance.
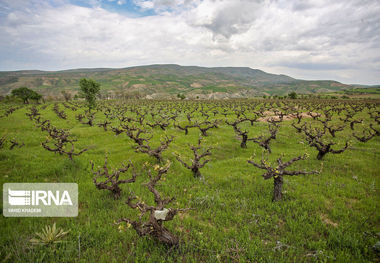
(181, 96)
(292, 95)
(264, 97)
(66, 95)
(89, 90)
(26, 94)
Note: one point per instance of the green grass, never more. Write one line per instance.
(371, 90)
(332, 216)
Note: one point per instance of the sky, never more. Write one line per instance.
(305, 39)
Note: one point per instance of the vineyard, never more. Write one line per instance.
(199, 181)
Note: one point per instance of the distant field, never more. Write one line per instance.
(374, 90)
(332, 216)
(358, 93)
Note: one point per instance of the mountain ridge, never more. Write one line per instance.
(168, 80)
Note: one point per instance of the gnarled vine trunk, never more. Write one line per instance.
(277, 190)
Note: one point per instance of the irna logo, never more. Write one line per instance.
(21, 197)
(40, 199)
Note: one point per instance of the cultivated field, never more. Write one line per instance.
(229, 215)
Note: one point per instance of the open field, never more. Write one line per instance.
(371, 92)
(329, 216)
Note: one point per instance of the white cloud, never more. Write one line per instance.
(306, 39)
(144, 4)
(225, 18)
(162, 6)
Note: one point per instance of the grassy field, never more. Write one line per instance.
(372, 92)
(328, 217)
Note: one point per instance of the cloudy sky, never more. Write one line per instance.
(308, 39)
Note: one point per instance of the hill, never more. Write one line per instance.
(157, 81)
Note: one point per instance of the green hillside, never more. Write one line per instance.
(158, 81)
